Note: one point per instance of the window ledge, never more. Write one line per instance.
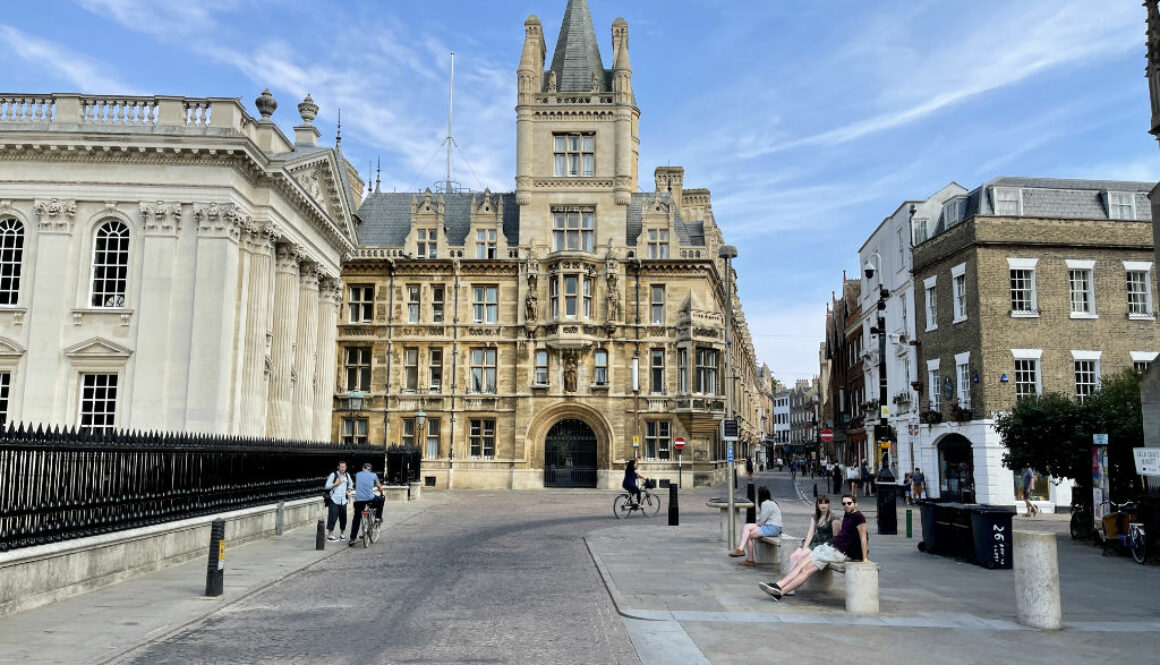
(540, 386)
(1024, 314)
(80, 314)
(1084, 315)
(599, 386)
(960, 320)
(17, 313)
(930, 328)
(1141, 317)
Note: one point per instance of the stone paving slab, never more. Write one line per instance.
(107, 623)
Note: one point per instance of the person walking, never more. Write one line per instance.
(919, 482)
(851, 544)
(1028, 488)
(768, 524)
(338, 484)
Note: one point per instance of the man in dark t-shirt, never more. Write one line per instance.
(850, 544)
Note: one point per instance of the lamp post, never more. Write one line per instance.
(887, 517)
(729, 252)
(636, 404)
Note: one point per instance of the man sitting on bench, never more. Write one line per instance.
(851, 544)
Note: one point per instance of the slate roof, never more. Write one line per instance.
(577, 55)
(688, 233)
(386, 217)
(1058, 198)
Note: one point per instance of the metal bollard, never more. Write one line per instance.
(674, 509)
(909, 523)
(815, 490)
(751, 512)
(215, 569)
(280, 519)
(320, 536)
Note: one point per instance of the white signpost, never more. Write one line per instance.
(1147, 461)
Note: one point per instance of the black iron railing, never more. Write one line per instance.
(59, 484)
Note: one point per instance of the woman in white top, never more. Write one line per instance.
(768, 524)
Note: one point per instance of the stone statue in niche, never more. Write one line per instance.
(613, 301)
(596, 81)
(551, 81)
(530, 306)
(570, 363)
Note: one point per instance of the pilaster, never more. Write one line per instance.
(258, 245)
(305, 350)
(330, 295)
(285, 332)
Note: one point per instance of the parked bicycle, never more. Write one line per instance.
(1119, 530)
(625, 504)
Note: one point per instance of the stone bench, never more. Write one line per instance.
(775, 550)
(861, 584)
(739, 508)
(395, 493)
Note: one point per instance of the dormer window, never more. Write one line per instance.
(427, 243)
(485, 243)
(573, 229)
(658, 243)
(1121, 205)
(953, 211)
(1008, 201)
(575, 155)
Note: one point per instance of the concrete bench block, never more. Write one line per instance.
(765, 550)
(395, 493)
(861, 587)
(1036, 563)
(414, 491)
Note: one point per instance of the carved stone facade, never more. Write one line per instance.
(133, 304)
(513, 321)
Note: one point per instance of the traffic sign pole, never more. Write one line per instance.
(679, 444)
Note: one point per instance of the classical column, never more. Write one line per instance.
(215, 317)
(325, 368)
(305, 349)
(285, 329)
(44, 397)
(161, 222)
(258, 241)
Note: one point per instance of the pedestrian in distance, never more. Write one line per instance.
(366, 483)
(1028, 488)
(821, 531)
(632, 478)
(749, 466)
(919, 484)
(867, 480)
(836, 478)
(338, 484)
(853, 476)
(906, 489)
(768, 524)
(850, 544)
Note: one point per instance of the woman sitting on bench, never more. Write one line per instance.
(768, 524)
(851, 544)
(821, 531)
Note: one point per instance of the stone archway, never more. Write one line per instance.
(956, 469)
(570, 454)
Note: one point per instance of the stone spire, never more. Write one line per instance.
(621, 67)
(1152, 71)
(531, 70)
(576, 63)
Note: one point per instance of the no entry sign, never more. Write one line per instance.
(827, 435)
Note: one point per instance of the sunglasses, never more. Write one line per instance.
(847, 503)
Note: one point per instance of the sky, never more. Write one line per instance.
(809, 121)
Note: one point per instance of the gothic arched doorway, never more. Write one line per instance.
(956, 468)
(570, 455)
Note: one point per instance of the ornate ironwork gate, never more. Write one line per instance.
(570, 455)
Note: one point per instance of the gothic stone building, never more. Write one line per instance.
(169, 263)
(519, 323)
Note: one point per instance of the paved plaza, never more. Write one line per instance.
(551, 577)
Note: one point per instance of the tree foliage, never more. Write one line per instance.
(1052, 433)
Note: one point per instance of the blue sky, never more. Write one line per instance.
(809, 121)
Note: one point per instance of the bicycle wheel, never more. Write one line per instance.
(650, 505)
(1078, 525)
(1139, 546)
(374, 528)
(622, 506)
(367, 525)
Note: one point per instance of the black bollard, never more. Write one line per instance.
(215, 571)
(751, 512)
(674, 509)
(815, 490)
(320, 536)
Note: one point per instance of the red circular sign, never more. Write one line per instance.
(679, 442)
(827, 435)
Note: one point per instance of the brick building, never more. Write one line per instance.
(1025, 286)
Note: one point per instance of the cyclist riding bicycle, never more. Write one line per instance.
(631, 478)
(365, 484)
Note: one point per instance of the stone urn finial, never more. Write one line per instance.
(308, 110)
(266, 104)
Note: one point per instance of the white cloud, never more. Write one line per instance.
(162, 18)
(86, 74)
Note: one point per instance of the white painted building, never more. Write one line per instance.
(781, 424)
(169, 264)
(885, 260)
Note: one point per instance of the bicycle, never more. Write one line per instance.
(370, 526)
(624, 505)
(1119, 530)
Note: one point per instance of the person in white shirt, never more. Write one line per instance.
(768, 524)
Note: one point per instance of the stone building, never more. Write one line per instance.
(1025, 286)
(844, 343)
(169, 263)
(543, 337)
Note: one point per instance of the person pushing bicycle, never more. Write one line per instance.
(366, 482)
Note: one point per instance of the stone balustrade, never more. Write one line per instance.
(113, 112)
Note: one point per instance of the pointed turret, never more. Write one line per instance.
(621, 67)
(576, 63)
(532, 59)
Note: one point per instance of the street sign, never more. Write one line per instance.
(827, 435)
(1100, 439)
(679, 442)
(731, 453)
(635, 440)
(1147, 461)
(729, 430)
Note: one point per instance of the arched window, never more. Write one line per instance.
(110, 265)
(11, 259)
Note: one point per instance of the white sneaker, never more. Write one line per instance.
(332, 538)
(342, 536)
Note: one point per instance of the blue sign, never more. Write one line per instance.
(731, 453)
(1100, 439)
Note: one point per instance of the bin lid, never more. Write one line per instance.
(987, 508)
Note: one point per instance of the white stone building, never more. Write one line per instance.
(885, 260)
(169, 263)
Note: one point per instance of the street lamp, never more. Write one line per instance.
(354, 400)
(887, 518)
(729, 252)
